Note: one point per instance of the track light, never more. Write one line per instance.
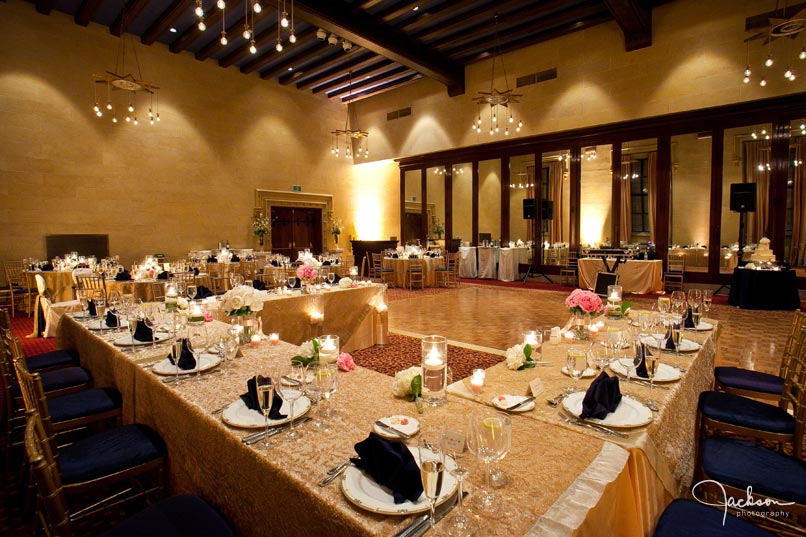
(346, 45)
(321, 34)
(333, 39)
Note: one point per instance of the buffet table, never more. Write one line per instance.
(635, 276)
(562, 482)
(400, 266)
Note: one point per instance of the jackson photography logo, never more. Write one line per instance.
(745, 507)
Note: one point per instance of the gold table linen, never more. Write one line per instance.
(401, 266)
(635, 276)
(58, 282)
(274, 492)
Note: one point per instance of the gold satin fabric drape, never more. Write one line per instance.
(797, 256)
(556, 195)
(652, 200)
(756, 159)
(625, 224)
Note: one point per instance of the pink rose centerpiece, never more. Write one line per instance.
(306, 274)
(345, 361)
(583, 304)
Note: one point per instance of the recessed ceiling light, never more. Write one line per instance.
(173, 30)
(416, 8)
(290, 68)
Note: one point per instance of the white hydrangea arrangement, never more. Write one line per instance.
(345, 283)
(243, 300)
(519, 357)
(409, 383)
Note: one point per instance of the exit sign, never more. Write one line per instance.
(296, 188)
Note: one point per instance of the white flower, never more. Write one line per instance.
(242, 297)
(182, 303)
(515, 357)
(345, 283)
(237, 302)
(306, 349)
(401, 384)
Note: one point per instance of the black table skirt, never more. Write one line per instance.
(764, 289)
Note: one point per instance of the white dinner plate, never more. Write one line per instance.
(122, 326)
(702, 327)
(165, 367)
(666, 373)
(685, 346)
(505, 401)
(361, 490)
(238, 415)
(629, 413)
(126, 341)
(400, 422)
(588, 373)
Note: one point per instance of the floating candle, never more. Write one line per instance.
(477, 380)
(274, 338)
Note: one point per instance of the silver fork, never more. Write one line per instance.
(332, 477)
(553, 403)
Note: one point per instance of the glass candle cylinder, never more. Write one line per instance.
(435, 369)
(328, 348)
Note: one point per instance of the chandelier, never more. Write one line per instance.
(349, 136)
(778, 27)
(249, 22)
(116, 84)
(500, 102)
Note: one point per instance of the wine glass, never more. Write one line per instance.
(677, 298)
(456, 443)
(81, 295)
(290, 387)
(176, 353)
(331, 277)
(191, 290)
(229, 345)
(432, 468)
(292, 282)
(265, 395)
(599, 357)
(576, 361)
(493, 437)
(706, 299)
(99, 297)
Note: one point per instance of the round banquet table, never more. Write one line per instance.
(59, 283)
(401, 265)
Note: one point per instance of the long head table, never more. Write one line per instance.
(635, 276)
(562, 482)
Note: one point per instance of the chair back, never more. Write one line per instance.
(248, 269)
(80, 273)
(41, 286)
(91, 282)
(14, 274)
(793, 395)
(573, 259)
(53, 510)
(676, 263)
(5, 320)
(792, 341)
(7, 380)
(33, 395)
(377, 264)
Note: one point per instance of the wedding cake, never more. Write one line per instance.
(763, 252)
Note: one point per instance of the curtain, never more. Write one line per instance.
(797, 255)
(530, 193)
(652, 199)
(556, 195)
(757, 155)
(625, 224)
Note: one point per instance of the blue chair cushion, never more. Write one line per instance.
(745, 379)
(51, 359)
(109, 452)
(83, 403)
(738, 410)
(177, 516)
(685, 518)
(66, 377)
(741, 464)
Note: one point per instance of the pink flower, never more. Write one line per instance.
(306, 272)
(345, 361)
(354, 285)
(584, 302)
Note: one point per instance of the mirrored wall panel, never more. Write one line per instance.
(490, 199)
(689, 221)
(435, 206)
(639, 160)
(556, 213)
(413, 221)
(796, 198)
(596, 196)
(462, 203)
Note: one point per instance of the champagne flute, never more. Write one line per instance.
(197, 337)
(456, 443)
(265, 395)
(677, 335)
(326, 379)
(132, 320)
(493, 435)
(664, 303)
(706, 300)
(291, 390)
(432, 469)
(652, 361)
(99, 297)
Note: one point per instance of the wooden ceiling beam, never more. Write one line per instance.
(130, 12)
(388, 75)
(338, 70)
(635, 20)
(434, 16)
(164, 21)
(378, 65)
(211, 18)
(267, 56)
(359, 28)
(409, 79)
(323, 65)
(233, 33)
(86, 11)
(291, 60)
(396, 11)
(44, 6)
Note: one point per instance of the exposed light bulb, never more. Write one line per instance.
(252, 47)
(221, 4)
(224, 38)
(135, 120)
(747, 70)
(293, 37)
(131, 108)
(128, 119)
(511, 120)
(802, 54)
(256, 7)
(768, 62)
(788, 72)
(284, 20)
(96, 108)
(754, 135)
(151, 121)
(279, 46)
(109, 105)
(495, 119)
(99, 113)
(479, 120)
(201, 26)
(506, 131)
(199, 11)
(496, 128)
(792, 77)
(746, 80)
(762, 83)
(158, 116)
(520, 124)
(491, 132)
(247, 33)
(114, 119)
(150, 113)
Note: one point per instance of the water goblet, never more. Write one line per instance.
(707, 297)
(331, 277)
(292, 282)
(575, 363)
(677, 298)
(191, 290)
(265, 386)
(492, 433)
(432, 469)
(664, 303)
(456, 443)
(291, 386)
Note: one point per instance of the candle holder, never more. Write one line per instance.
(381, 325)
(614, 293)
(477, 381)
(328, 348)
(171, 295)
(435, 370)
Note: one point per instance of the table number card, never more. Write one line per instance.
(453, 441)
(536, 386)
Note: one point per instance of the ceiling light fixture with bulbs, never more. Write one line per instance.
(351, 135)
(249, 22)
(789, 55)
(496, 99)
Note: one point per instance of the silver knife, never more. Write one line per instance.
(390, 429)
(421, 524)
(522, 403)
(601, 428)
(256, 437)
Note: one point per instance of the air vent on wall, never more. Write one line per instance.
(403, 112)
(534, 78)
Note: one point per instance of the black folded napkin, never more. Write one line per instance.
(123, 276)
(390, 464)
(641, 352)
(91, 311)
(689, 320)
(195, 271)
(142, 332)
(669, 343)
(186, 358)
(251, 401)
(395, 256)
(203, 292)
(325, 263)
(234, 259)
(274, 263)
(336, 278)
(112, 319)
(297, 284)
(163, 275)
(259, 285)
(602, 397)
(212, 259)
(47, 267)
(413, 256)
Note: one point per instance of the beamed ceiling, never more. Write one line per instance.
(394, 42)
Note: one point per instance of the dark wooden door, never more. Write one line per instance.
(295, 228)
(414, 227)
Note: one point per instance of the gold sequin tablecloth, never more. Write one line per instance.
(58, 282)
(274, 492)
(635, 276)
(401, 265)
(661, 453)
